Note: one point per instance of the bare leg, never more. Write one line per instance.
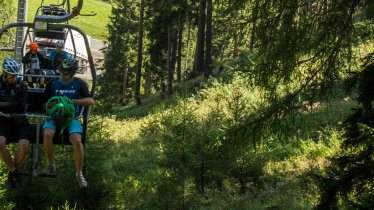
(76, 141)
(5, 155)
(42, 81)
(21, 153)
(48, 134)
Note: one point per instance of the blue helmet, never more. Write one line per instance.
(68, 66)
(60, 43)
(10, 66)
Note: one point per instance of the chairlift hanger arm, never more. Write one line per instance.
(58, 5)
(59, 19)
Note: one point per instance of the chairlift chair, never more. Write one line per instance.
(32, 103)
(47, 25)
(55, 12)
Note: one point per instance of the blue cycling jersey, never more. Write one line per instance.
(76, 88)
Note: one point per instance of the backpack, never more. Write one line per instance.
(14, 92)
(34, 61)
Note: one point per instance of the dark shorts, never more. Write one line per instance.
(36, 72)
(14, 129)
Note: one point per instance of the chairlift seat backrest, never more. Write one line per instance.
(55, 11)
(51, 34)
(35, 101)
(46, 44)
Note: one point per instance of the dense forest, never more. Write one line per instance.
(225, 104)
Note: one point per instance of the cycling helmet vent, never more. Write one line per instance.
(10, 66)
(68, 66)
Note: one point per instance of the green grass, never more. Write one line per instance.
(283, 167)
(94, 26)
(147, 107)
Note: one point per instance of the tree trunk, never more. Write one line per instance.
(162, 78)
(174, 50)
(148, 82)
(254, 25)
(140, 55)
(208, 53)
(124, 84)
(188, 48)
(163, 72)
(120, 80)
(170, 60)
(179, 57)
(200, 38)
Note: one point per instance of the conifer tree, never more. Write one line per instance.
(121, 53)
(166, 16)
(349, 178)
(7, 15)
(312, 45)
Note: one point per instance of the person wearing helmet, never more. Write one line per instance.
(13, 98)
(57, 55)
(77, 90)
(35, 62)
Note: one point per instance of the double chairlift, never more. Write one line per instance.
(50, 24)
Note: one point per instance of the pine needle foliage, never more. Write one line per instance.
(349, 179)
(303, 50)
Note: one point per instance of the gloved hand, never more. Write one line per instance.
(50, 73)
(52, 103)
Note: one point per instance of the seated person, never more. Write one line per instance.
(77, 91)
(35, 62)
(13, 97)
(56, 57)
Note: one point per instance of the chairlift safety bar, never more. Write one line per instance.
(38, 75)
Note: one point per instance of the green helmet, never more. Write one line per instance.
(62, 112)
